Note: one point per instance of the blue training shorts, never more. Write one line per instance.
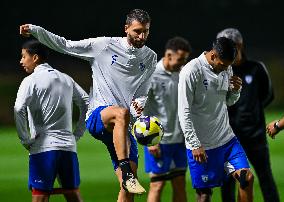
(173, 156)
(229, 157)
(44, 167)
(96, 128)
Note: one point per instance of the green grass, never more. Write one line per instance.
(98, 182)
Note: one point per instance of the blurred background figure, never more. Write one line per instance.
(247, 118)
(167, 160)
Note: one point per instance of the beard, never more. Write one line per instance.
(135, 42)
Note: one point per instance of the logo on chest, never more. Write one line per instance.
(205, 83)
(114, 59)
(141, 66)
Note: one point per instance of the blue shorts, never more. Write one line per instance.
(96, 128)
(46, 166)
(173, 156)
(229, 157)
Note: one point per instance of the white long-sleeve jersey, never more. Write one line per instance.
(203, 98)
(45, 100)
(121, 72)
(162, 102)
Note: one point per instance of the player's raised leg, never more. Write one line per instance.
(116, 121)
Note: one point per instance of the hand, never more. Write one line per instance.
(199, 155)
(25, 30)
(271, 131)
(139, 109)
(236, 83)
(155, 150)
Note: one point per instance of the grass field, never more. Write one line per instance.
(98, 182)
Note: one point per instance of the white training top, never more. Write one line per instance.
(162, 102)
(45, 99)
(121, 73)
(203, 98)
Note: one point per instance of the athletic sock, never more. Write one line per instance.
(125, 169)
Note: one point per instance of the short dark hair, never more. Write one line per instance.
(225, 48)
(35, 47)
(139, 15)
(178, 43)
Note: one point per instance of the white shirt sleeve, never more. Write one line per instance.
(81, 99)
(23, 99)
(186, 91)
(83, 49)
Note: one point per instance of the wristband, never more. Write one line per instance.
(276, 126)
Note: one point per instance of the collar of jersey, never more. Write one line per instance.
(42, 66)
(127, 46)
(205, 62)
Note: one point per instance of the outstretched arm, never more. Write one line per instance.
(83, 49)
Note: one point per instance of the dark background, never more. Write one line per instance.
(260, 22)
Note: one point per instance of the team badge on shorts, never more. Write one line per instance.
(204, 178)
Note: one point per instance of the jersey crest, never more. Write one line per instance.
(248, 79)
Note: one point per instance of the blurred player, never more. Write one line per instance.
(167, 160)
(206, 87)
(248, 121)
(44, 100)
(122, 69)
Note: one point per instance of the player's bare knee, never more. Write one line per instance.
(123, 115)
(250, 177)
(245, 178)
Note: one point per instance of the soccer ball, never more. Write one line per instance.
(148, 130)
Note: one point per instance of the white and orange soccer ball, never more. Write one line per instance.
(148, 130)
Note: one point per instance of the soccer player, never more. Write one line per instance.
(206, 87)
(247, 118)
(122, 69)
(167, 160)
(274, 127)
(44, 100)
